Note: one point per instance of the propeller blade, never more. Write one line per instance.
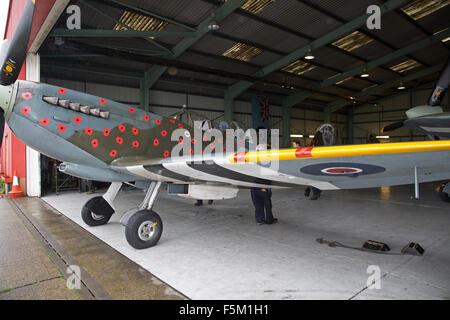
(392, 126)
(441, 86)
(17, 50)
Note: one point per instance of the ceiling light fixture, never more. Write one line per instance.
(311, 136)
(296, 136)
(401, 86)
(309, 55)
(213, 25)
(382, 137)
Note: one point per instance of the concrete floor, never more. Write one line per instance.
(218, 251)
(37, 244)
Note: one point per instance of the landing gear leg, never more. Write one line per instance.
(144, 227)
(98, 210)
(444, 192)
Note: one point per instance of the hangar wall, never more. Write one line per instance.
(369, 119)
(167, 103)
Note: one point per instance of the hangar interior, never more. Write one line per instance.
(212, 57)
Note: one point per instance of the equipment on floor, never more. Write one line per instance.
(375, 246)
(413, 249)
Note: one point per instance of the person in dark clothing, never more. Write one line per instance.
(262, 201)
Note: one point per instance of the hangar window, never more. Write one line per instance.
(139, 22)
(342, 81)
(405, 66)
(352, 41)
(421, 8)
(256, 6)
(299, 67)
(242, 51)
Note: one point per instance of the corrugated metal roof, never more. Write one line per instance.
(421, 8)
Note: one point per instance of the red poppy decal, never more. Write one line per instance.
(62, 91)
(156, 142)
(94, 143)
(27, 95)
(119, 140)
(166, 153)
(106, 132)
(61, 127)
(102, 101)
(77, 120)
(88, 131)
(135, 144)
(180, 125)
(45, 121)
(180, 141)
(147, 118)
(193, 141)
(171, 120)
(192, 152)
(164, 133)
(224, 149)
(25, 110)
(131, 109)
(121, 128)
(158, 121)
(113, 153)
(204, 138)
(135, 131)
(211, 145)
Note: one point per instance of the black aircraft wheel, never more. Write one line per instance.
(444, 196)
(143, 229)
(96, 212)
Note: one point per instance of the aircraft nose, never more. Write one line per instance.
(6, 99)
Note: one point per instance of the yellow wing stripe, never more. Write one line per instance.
(339, 151)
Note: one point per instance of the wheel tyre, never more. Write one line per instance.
(143, 230)
(444, 196)
(95, 213)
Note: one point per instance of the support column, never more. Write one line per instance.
(350, 125)
(33, 158)
(144, 92)
(286, 142)
(228, 109)
(327, 114)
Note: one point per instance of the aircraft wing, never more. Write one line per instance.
(327, 168)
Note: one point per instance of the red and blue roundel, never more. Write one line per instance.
(341, 169)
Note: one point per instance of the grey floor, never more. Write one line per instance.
(218, 251)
